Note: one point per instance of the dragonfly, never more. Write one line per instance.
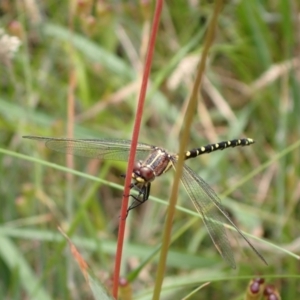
(152, 162)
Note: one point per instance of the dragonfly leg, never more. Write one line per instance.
(132, 186)
(142, 197)
(137, 202)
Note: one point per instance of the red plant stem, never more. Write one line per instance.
(136, 129)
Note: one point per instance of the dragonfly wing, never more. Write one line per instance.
(208, 204)
(113, 149)
(204, 200)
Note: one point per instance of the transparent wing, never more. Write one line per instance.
(113, 149)
(209, 206)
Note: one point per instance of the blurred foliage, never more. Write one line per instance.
(251, 89)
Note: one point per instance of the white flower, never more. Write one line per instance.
(9, 45)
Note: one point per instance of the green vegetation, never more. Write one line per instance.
(251, 89)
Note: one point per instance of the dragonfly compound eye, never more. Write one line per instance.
(136, 167)
(147, 174)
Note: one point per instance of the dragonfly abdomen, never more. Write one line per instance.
(218, 146)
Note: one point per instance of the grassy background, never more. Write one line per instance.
(251, 89)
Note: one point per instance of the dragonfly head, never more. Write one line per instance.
(142, 173)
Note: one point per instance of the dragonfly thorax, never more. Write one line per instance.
(155, 164)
